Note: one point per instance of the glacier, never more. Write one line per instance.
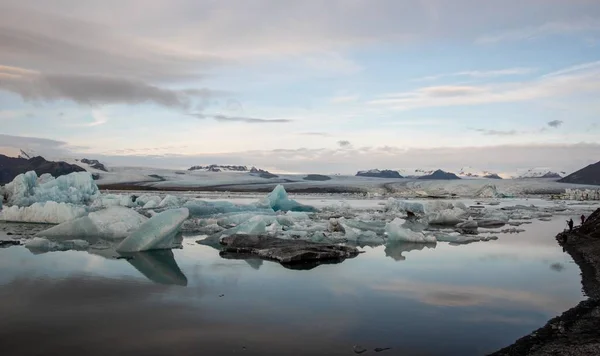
(157, 233)
(47, 213)
(278, 200)
(112, 223)
(27, 189)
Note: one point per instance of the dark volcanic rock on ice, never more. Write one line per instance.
(94, 163)
(286, 252)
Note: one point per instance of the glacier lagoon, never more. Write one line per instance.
(442, 299)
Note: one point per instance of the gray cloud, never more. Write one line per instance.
(249, 120)
(555, 123)
(497, 132)
(344, 143)
(98, 90)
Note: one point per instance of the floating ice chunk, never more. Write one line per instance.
(278, 201)
(238, 218)
(157, 233)
(200, 208)
(396, 232)
(151, 204)
(463, 239)
(447, 217)
(254, 226)
(170, 201)
(40, 244)
(113, 223)
(274, 229)
(396, 249)
(74, 188)
(378, 227)
(145, 198)
(395, 206)
(44, 178)
(48, 213)
(108, 200)
(467, 225)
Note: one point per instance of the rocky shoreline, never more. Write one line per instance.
(577, 331)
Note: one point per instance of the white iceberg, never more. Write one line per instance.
(257, 225)
(278, 200)
(157, 233)
(396, 232)
(201, 208)
(75, 188)
(47, 213)
(113, 223)
(108, 200)
(170, 201)
(451, 217)
(396, 206)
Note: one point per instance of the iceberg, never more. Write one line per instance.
(446, 217)
(170, 201)
(157, 233)
(201, 208)
(113, 223)
(75, 188)
(145, 198)
(256, 225)
(463, 239)
(395, 206)
(396, 232)
(40, 244)
(108, 200)
(46, 213)
(278, 200)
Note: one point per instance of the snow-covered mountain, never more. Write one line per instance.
(219, 168)
(376, 173)
(473, 173)
(539, 173)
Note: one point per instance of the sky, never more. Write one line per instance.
(304, 86)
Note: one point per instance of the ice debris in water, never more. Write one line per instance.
(157, 233)
(395, 206)
(40, 244)
(256, 225)
(278, 201)
(396, 232)
(48, 213)
(75, 188)
(113, 223)
(462, 239)
(201, 208)
(108, 200)
(170, 201)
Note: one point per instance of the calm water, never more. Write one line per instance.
(442, 300)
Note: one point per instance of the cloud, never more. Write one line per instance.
(323, 134)
(479, 74)
(249, 120)
(96, 89)
(497, 132)
(342, 99)
(584, 78)
(544, 30)
(555, 123)
(344, 143)
(37, 146)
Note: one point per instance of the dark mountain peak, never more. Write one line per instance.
(440, 175)
(587, 175)
(376, 173)
(10, 167)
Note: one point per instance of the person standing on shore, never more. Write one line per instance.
(570, 223)
(582, 219)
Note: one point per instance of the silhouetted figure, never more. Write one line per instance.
(582, 219)
(570, 223)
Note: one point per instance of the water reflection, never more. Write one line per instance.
(159, 266)
(396, 249)
(299, 266)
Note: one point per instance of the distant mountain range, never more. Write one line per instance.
(440, 175)
(10, 167)
(587, 175)
(376, 173)
(540, 173)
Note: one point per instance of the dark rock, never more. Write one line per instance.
(376, 173)
(156, 176)
(359, 349)
(95, 176)
(180, 173)
(492, 176)
(290, 253)
(8, 243)
(268, 175)
(11, 167)
(94, 163)
(440, 175)
(317, 177)
(587, 175)
(380, 349)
